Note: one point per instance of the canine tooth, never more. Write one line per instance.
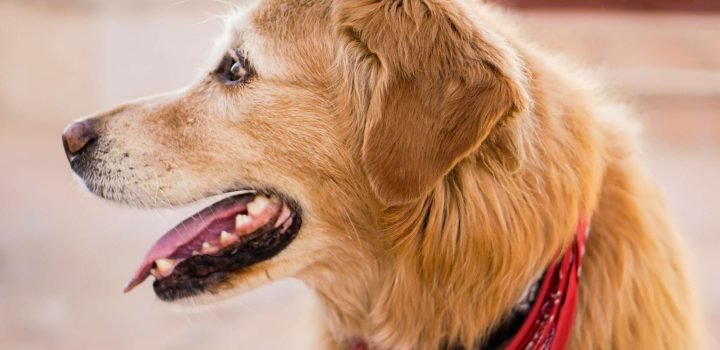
(154, 273)
(225, 237)
(241, 220)
(164, 266)
(287, 224)
(284, 216)
(206, 248)
(258, 204)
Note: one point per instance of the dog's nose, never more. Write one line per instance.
(77, 136)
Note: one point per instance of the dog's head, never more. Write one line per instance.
(318, 121)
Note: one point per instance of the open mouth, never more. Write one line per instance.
(226, 237)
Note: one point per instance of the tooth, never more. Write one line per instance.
(287, 224)
(225, 237)
(154, 273)
(284, 215)
(164, 266)
(241, 220)
(258, 204)
(206, 248)
(195, 252)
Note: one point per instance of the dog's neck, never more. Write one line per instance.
(450, 267)
(458, 264)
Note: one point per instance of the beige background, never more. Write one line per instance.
(65, 256)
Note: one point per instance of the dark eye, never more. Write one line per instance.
(234, 69)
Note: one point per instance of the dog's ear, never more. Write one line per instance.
(429, 85)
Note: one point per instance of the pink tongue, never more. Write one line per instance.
(187, 231)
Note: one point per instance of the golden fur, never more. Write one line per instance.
(441, 162)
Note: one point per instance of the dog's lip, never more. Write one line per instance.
(185, 239)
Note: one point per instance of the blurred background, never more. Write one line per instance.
(65, 256)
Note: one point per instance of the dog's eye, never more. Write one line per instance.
(234, 69)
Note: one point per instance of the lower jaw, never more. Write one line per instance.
(207, 274)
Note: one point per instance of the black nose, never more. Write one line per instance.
(77, 136)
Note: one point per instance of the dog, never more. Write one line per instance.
(434, 177)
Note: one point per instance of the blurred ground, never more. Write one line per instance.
(64, 256)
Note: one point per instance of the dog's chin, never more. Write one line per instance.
(237, 283)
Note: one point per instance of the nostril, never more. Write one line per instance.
(77, 136)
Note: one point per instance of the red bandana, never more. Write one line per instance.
(550, 320)
(548, 325)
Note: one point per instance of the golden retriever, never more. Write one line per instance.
(416, 163)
